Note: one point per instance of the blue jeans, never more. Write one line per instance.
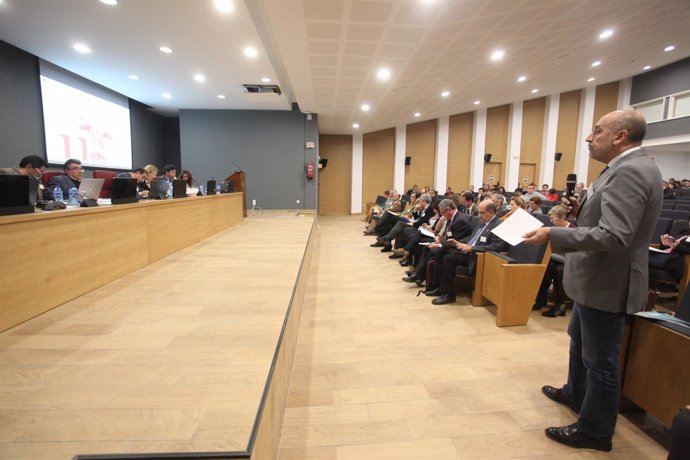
(594, 371)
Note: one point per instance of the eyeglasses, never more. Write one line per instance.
(77, 168)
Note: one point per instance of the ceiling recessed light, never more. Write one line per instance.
(109, 2)
(166, 49)
(82, 48)
(221, 96)
(669, 48)
(224, 6)
(167, 96)
(596, 63)
(522, 78)
(477, 102)
(133, 77)
(383, 74)
(606, 34)
(417, 114)
(590, 79)
(355, 125)
(365, 107)
(266, 80)
(535, 90)
(199, 78)
(497, 55)
(445, 94)
(647, 67)
(251, 52)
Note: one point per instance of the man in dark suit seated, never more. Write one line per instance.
(481, 240)
(32, 166)
(425, 213)
(71, 178)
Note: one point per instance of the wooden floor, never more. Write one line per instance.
(382, 374)
(172, 357)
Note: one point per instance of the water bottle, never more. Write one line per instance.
(73, 197)
(217, 188)
(168, 194)
(202, 190)
(57, 194)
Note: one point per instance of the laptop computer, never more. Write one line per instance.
(90, 188)
(158, 189)
(17, 194)
(179, 188)
(227, 187)
(123, 190)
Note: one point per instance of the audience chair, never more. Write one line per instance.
(684, 206)
(49, 175)
(674, 214)
(668, 205)
(511, 281)
(380, 200)
(663, 226)
(658, 276)
(107, 177)
(677, 227)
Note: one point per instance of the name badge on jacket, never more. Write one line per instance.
(482, 239)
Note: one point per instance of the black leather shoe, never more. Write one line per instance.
(410, 277)
(395, 256)
(376, 245)
(405, 262)
(432, 293)
(536, 307)
(386, 249)
(443, 299)
(573, 436)
(410, 272)
(370, 232)
(555, 311)
(556, 394)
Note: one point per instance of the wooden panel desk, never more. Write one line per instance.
(49, 258)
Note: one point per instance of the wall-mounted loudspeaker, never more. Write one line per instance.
(487, 157)
(558, 156)
(323, 162)
(408, 161)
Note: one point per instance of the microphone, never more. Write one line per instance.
(237, 168)
(570, 182)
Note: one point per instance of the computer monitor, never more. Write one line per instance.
(90, 188)
(211, 187)
(123, 190)
(227, 187)
(17, 194)
(159, 189)
(179, 188)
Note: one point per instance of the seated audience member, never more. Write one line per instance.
(544, 189)
(372, 204)
(463, 253)
(672, 259)
(679, 448)
(424, 212)
(435, 225)
(169, 173)
(413, 189)
(519, 189)
(669, 194)
(554, 272)
(71, 178)
(552, 195)
(449, 192)
(456, 228)
(382, 220)
(579, 188)
(482, 195)
(534, 205)
(516, 202)
(531, 192)
(500, 202)
(192, 188)
(469, 204)
(32, 166)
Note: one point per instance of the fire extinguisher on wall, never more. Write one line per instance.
(309, 170)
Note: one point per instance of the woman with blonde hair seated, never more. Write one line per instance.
(516, 202)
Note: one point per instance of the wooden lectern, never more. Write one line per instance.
(238, 178)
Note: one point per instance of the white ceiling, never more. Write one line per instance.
(324, 54)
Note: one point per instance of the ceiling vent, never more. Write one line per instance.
(262, 89)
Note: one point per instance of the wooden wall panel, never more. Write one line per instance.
(566, 137)
(606, 100)
(335, 180)
(377, 164)
(497, 122)
(460, 151)
(532, 134)
(420, 145)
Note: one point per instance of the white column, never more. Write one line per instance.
(584, 128)
(478, 148)
(357, 164)
(400, 149)
(548, 145)
(513, 149)
(441, 166)
(624, 92)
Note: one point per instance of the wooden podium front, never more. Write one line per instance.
(239, 179)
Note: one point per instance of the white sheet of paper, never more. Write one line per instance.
(519, 223)
(426, 232)
(656, 250)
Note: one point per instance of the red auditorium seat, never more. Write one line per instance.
(107, 183)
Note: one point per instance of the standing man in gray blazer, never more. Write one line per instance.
(606, 274)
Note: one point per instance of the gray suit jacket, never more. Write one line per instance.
(606, 262)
